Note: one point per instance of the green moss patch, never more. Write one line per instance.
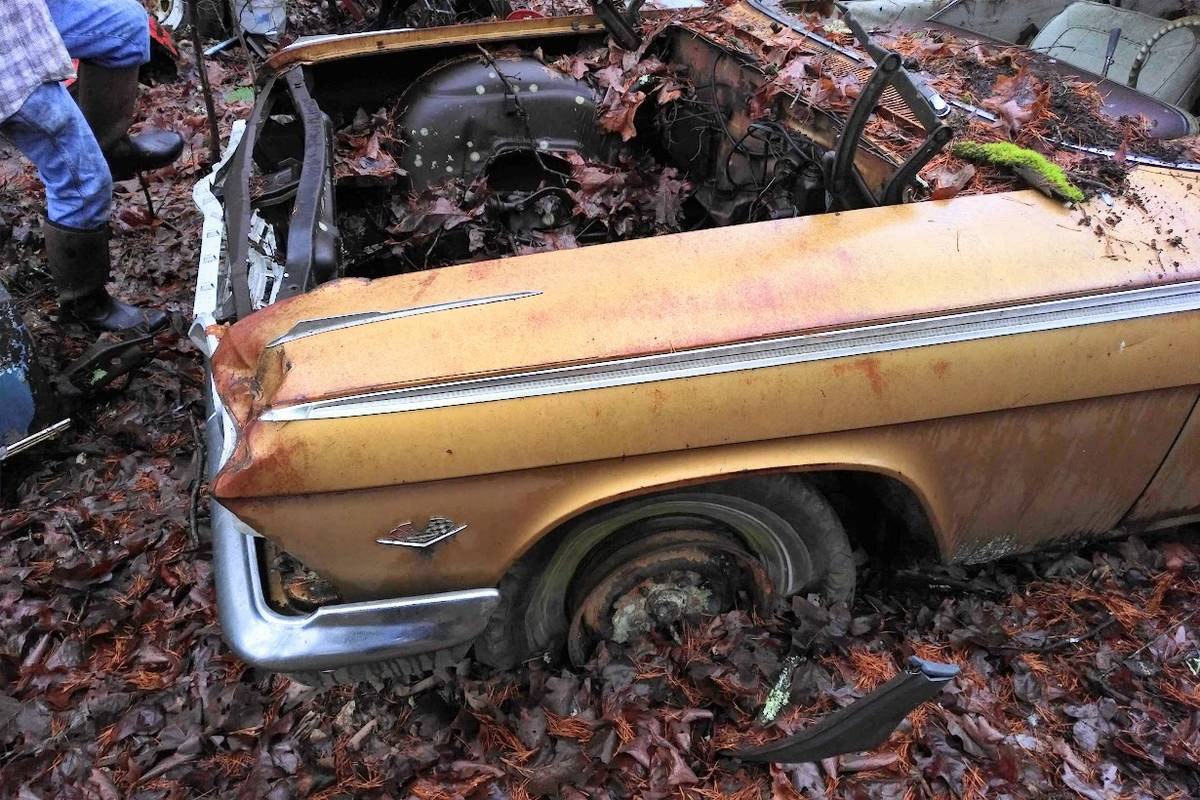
(1035, 168)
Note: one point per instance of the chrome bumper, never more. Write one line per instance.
(333, 636)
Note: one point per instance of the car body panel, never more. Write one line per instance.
(332, 455)
(954, 421)
(1025, 368)
(672, 294)
(984, 488)
(319, 49)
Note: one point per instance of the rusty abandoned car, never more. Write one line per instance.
(527, 335)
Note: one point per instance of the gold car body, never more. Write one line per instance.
(1029, 371)
(1010, 438)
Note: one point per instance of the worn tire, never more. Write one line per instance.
(505, 643)
(818, 526)
(408, 670)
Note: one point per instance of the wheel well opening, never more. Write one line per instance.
(814, 553)
(881, 514)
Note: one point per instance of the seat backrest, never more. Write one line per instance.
(1079, 37)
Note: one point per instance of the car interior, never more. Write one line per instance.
(1102, 38)
(496, 153)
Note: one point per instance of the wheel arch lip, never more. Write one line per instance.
(591, 497)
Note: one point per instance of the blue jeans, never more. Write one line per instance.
(52, 133)
(51, 130)
(111, 33)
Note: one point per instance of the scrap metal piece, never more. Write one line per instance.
(864, 724)
(21, 445)
(312, 249)
(1110, 55)
(103, 363)
(839, 163)
(462, 116)
(925, 102)
(893, 193)
(310, 593)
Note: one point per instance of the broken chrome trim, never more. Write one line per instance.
(1132, 158)
(762, 353)
(312, 327)
(45, 434)
(332, 636)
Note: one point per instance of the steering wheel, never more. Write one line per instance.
(1143, 55)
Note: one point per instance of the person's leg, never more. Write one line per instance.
(50, 130)
(52, 134)
(108, 33)
(111, 38)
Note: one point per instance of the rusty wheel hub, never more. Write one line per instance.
(662, 580)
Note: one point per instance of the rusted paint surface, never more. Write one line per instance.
(983, 479)
(867, 367)
(1009, 441)
(796, 400)
(714, 286)
(1175, 490)
(332, 48)
(1035, 474)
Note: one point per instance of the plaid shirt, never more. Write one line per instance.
(31, 52)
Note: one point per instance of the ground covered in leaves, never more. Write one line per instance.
(1080, 670)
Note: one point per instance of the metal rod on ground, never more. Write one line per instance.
(146, 193)
(214, 137)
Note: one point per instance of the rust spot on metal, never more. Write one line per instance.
(870, 369)
(424, 283)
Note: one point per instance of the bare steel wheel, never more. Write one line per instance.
(566, 587)
(660, 580)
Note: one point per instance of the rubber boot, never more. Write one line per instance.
(80, 263)
(107, 97)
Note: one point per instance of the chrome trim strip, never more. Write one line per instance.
(882, 337)
(10, 450)
(1132, 158)
(312, 327)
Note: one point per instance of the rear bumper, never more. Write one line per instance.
(333, 636)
